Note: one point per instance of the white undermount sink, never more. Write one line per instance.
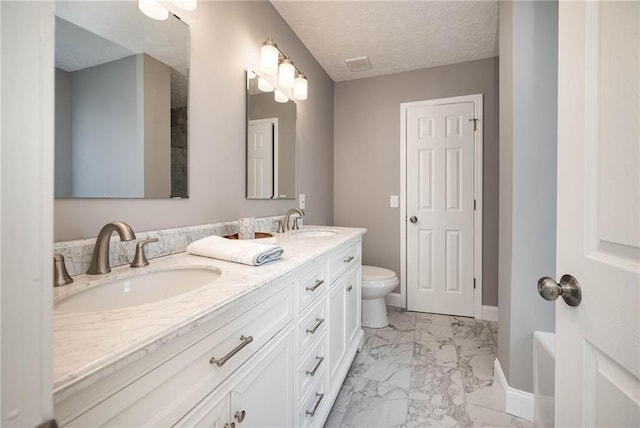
(313, 233)
(137, 290)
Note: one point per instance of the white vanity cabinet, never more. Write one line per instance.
(275, 357)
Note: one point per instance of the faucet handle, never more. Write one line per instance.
(140, 259)
(280, 226)
(60, 275)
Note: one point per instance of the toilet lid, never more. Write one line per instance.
(374, 273)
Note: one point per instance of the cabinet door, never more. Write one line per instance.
(213, 412)
(352, 309)
(337, 336)
(264, 398)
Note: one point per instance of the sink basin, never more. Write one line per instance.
(137, 290)
(313, 233)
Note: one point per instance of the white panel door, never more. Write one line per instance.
(440, 194)
(260, 159)
(598, 342)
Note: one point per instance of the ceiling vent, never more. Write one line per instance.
(360, 63)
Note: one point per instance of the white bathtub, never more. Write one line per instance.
(544, 359)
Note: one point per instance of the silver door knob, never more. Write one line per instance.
(569, 289)
(413, 219)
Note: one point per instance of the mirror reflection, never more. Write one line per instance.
(271, 143)
(121, 102)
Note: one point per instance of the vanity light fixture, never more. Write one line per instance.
(188, 5)
(264, 86)
(153, 9)
(273, 60)
(280, 97)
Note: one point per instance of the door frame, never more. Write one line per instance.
(400, 299)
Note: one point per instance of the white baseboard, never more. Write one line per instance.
(396, 300)
(490, 313)
(518, 403)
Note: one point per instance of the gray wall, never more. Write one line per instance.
(264, 106)
(225, 40)
(107, 159)
(367, 155)
(528, 142)
(63, 159)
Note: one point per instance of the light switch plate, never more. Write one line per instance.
(393, 201)
(302, 201)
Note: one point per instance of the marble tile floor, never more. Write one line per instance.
(424, 370)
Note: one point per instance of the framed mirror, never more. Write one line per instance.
(270, 143)
(121, 119)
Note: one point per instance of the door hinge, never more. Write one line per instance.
(474, 204)
(474, 283)
(475, 123)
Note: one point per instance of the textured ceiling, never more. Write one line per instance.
(395, 35)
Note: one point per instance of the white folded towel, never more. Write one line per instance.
(235, 250)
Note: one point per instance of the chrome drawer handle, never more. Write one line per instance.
(319, 322)
(221, 362)
(318, 283)
(231, 425)
(348, 259)
(349, 288)
(313, 371)
(315, 406)
(240, 416)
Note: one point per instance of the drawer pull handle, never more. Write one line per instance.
(315, 406)
(221, 362)
(240, 416)
(319, 322)
(348, 259)
(231, 425)
(349, 288)
(318, 283)
(313, 371)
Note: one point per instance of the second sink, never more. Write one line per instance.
(137, 290)
(313, 233)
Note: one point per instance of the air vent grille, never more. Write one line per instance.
(360, 63)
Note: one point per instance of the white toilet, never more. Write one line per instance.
(377, 282)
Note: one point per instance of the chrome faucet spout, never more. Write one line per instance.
(100, 260)
(288, 216)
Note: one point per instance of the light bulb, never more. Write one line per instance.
(186, 4)
(286, 74)
(300, 88)
(280, 97)
(153, 9)
(264, 86)
(269, 56)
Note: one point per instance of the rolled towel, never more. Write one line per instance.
(248, 253)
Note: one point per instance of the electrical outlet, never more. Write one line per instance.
(302, 201)
(393, 201)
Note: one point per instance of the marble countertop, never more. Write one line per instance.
(88, 346)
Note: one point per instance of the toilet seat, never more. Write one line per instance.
(374, 273)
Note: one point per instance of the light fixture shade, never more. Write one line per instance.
(153, 9)
(269, 56)
(186, 4)
(300, 88)
(264, 86)
(280, 97)
(251, 74)
(286, 74)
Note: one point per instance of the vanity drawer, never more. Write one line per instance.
(313, 404)
(190, 375)
(312, 366)
(311, 284)
(343, 260)
(312, 327)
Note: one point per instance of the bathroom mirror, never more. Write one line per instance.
(121, 102)
(271, 144)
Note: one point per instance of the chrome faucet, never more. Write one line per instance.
(100, 260)
(288, 215)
